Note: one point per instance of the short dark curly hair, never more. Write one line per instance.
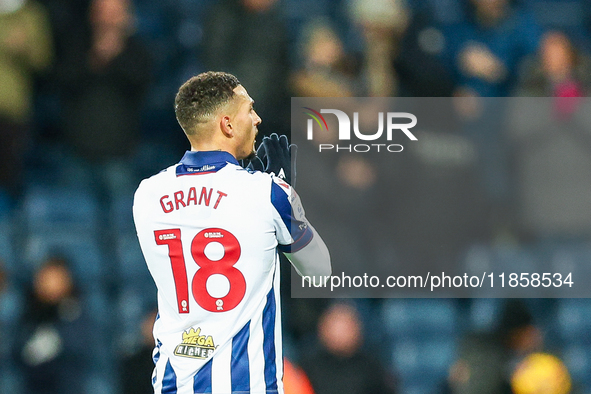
(201, 96)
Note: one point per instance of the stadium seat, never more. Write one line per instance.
(102, 350)
(51, 209)
(7, 251)
(99, 383)
(131, 307)
(574, 320)
(137, 292)
(574, 324)
(483, 313)
(121, 214)
(420, 317)
(130, 260)
(423, 334)
(11, 308)
(558, 13)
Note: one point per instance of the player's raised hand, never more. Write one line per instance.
(276, 156)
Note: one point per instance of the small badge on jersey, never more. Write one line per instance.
(281, 182)
(195, 345)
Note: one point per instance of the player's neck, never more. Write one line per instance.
(215, 143)
(211, 148)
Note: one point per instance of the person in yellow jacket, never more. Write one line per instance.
(25, 50)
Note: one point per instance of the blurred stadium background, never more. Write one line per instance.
(86, 93)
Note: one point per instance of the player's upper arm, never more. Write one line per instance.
(313, 259)
(297, 238)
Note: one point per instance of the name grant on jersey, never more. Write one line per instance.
(178, 200)
(195, 345)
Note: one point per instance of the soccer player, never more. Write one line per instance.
(210, 231)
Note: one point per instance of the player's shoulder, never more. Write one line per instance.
(250, 175)
(267, 184)
(155, 181)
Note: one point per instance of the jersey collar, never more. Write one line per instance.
(204, 162)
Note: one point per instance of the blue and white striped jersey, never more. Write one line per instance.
(209, 231)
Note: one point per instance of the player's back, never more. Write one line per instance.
(209, 231)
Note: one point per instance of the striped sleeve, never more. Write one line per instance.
(292, 228)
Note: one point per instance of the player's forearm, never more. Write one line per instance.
(313, 259)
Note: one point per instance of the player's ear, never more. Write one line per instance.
(226, 126)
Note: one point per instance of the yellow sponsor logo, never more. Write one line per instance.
(195, 345)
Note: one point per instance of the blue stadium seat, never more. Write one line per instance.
(137, 292)
(6, 206)
(483, 314)
(420, 317)
(11, 308)
(99, 383)
(50, 209)
(11, 381)
(131, 265)
(423, 334)
(558, 13)
(7, 251)
(149, 21)
(130, 309)
(101, 347)
(574, 320)
(302, 9)
(121, 214)
(574, 324)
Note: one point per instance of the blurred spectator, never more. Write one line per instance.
(488, 362)
(382, 23)
(558, 70)
(103, 83)
(68, 25)
(340, 363)
(551, 167)
(70, 31)
(346, 184)
(327, 71)
(541, 373)
(248, 39)
(485, 50)
(551, 143)
(25, 50)
(434, 203)
(419, 62)
(483, 124)
(55, 333)
(136, 369)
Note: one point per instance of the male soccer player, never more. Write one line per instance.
(209, 231)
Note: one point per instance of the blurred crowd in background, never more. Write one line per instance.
(86, 111)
